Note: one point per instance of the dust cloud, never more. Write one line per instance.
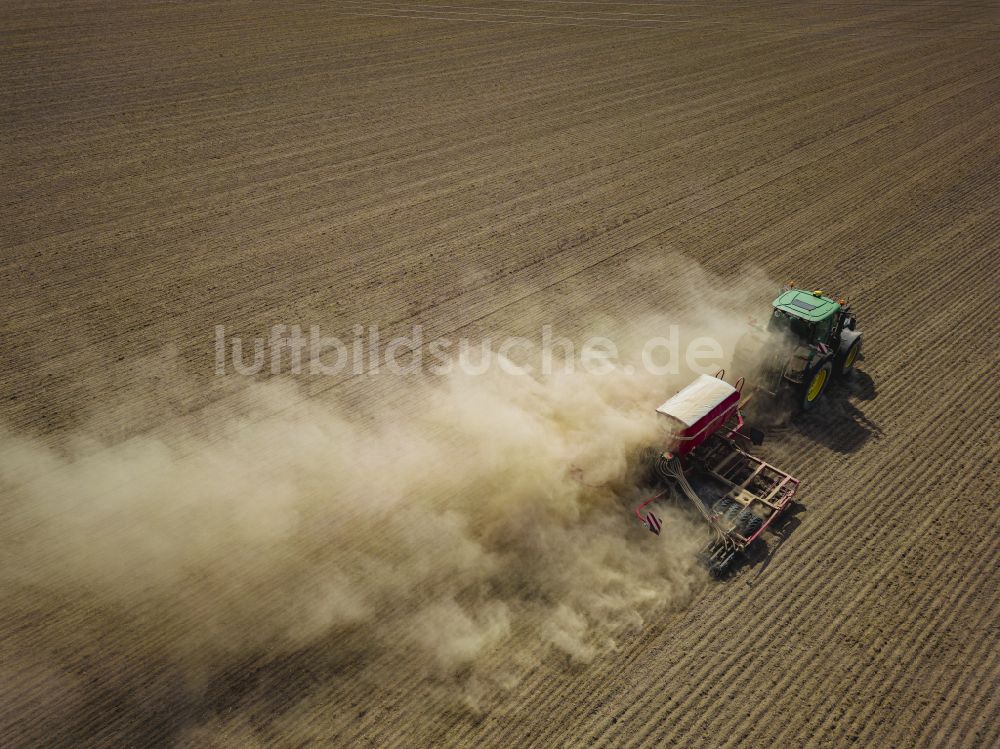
(494, 504)
(140, 578)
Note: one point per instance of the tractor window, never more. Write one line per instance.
(795, 327)
(823, 330)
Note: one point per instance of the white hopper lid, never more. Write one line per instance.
(697, 400)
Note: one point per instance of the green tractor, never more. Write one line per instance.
(808, 340)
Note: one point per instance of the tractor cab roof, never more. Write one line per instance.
(811, 306)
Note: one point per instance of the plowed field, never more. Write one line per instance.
(189, 559)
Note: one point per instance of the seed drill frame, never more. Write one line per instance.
(738, 494)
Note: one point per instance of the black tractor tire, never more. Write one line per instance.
(816, 381)
(847, 355)
(726, 507)
(729, 512)
(748, 523)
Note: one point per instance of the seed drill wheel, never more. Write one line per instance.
(719, 569)
(727, 508)
(815, 384)
(718, 560)
(728, 511)
(747, 523)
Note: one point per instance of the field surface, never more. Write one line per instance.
(484, 167)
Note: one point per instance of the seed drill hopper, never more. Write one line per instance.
(706, 460)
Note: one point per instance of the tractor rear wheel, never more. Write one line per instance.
(815, 384)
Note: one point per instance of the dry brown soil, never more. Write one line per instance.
(495, 166)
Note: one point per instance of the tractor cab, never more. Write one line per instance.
(808, 317)
(809, 339)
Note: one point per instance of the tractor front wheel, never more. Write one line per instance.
(815, 384)
(847, 357)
